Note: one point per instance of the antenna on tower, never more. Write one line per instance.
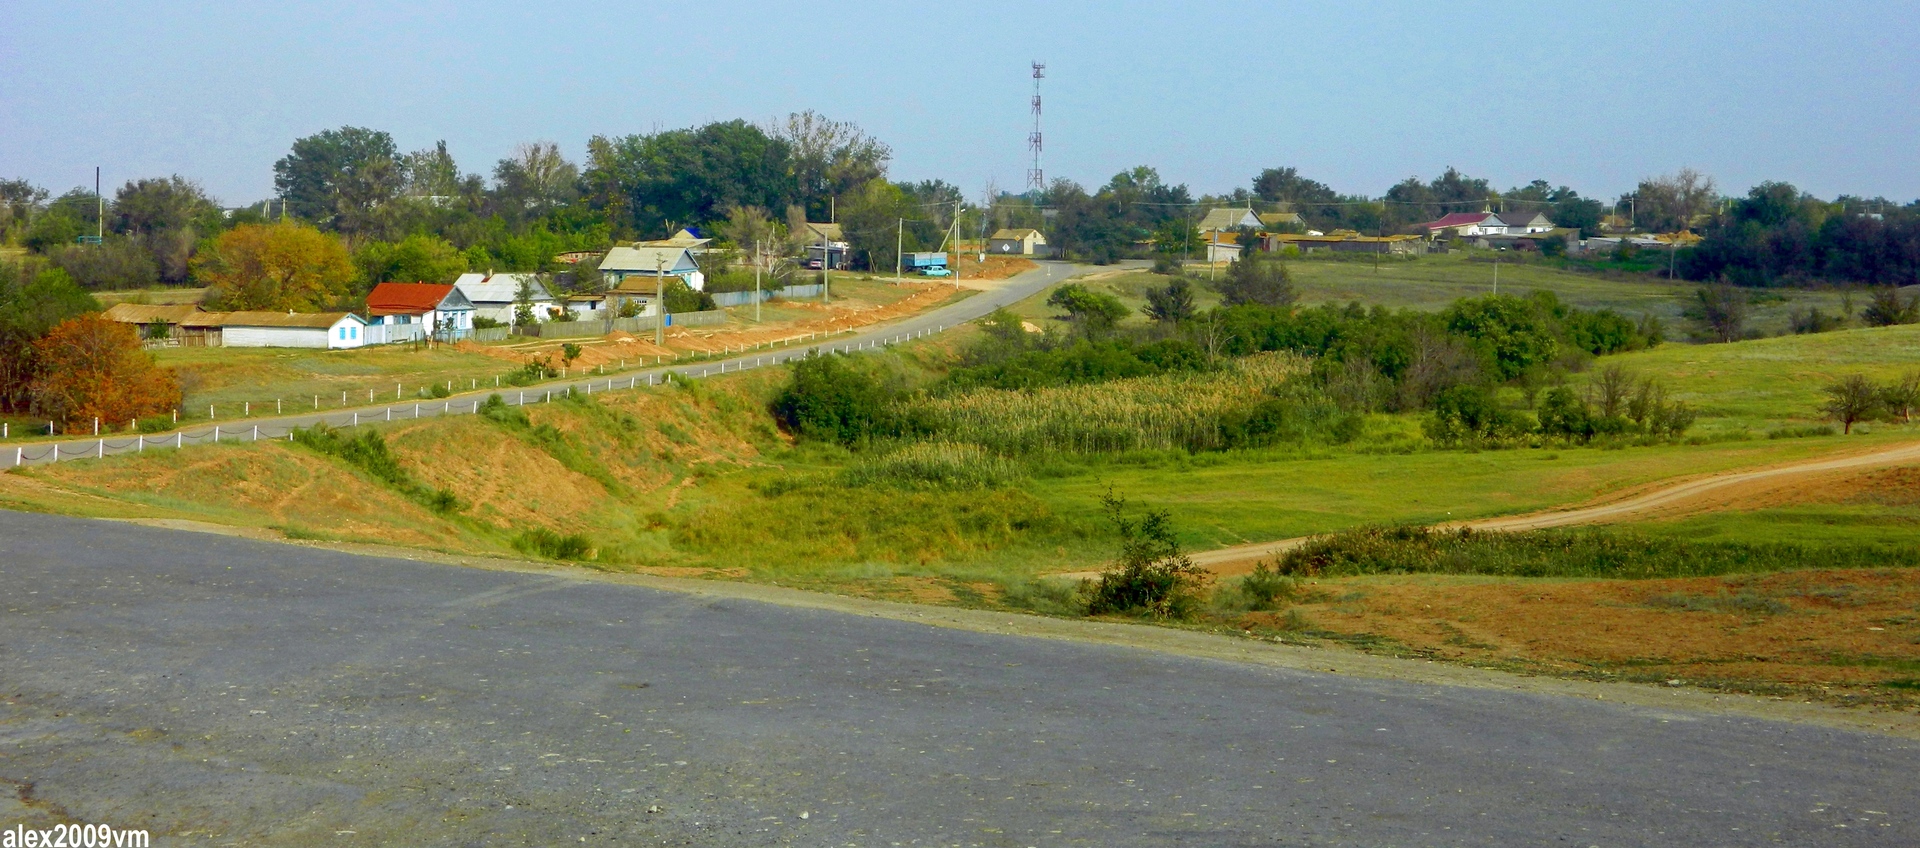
(1036, 181)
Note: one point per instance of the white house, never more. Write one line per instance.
(648, 261)
(1229, 219)
(446, 313)
(332, 330)
(497, 296)
(1016, 242)
(1522, 223)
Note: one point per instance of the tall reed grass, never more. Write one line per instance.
(1163, 412)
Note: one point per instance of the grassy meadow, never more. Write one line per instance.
(1430, 283)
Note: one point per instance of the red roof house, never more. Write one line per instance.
(1469, 223)
(444, 310)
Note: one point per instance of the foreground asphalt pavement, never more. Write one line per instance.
(233, 692)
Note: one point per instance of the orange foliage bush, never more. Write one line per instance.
(92, 367)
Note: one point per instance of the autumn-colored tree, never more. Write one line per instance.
(274, 266)
(93, 367)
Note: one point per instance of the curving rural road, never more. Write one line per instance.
(223, 691)
(1002, 293)
(1663, 497)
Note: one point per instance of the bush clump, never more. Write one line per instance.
(1560, 553)
(539, 541)
(1152, 575)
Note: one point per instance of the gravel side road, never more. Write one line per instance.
(235, 692)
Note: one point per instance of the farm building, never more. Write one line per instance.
(1344, 241)
(440, 309)
(152, 322)
(496, 296)
(290, 329)
(1017, 242)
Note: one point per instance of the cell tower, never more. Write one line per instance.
(1036, 181)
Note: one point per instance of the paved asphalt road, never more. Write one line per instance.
(1015, 289)
(235, 692)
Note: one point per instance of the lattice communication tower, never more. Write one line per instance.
(1036, 181)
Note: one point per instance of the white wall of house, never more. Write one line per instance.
(315, 337)
(345, 333)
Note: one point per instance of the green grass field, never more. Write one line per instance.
(1763, 382)
(1430, 283)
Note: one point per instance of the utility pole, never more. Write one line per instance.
(826, 258)
(899, 231)
(956, 244)
(759, 255)
(1496, 273)
(100, 216)
(659, 301)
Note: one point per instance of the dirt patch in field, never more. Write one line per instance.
(505, 482)
(1853, 634)
(994, 268)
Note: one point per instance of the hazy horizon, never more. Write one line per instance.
(1820, 97)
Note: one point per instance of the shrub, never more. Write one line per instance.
(1264, 590)
(1561, 553)
(830, 400)
(539, 541)
(1151, 575)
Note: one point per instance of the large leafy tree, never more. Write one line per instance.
(335, 178)
(19, 202)
(275, 266)
(165, 217)
(414, 259)
(869, 216)
(828, 159)
(1512, 333)
(34, 298)
(1257, 278)
(688, 177)
(93, 367)
(534, 181)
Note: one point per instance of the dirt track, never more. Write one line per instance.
(1666, 499)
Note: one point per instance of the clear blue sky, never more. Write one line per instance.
(1824, 95)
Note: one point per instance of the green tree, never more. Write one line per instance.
(34, 298)
(1257, 279)
(1176, 239)
(687, 177)
(1510, 332)
(868, 217)
(1171, 303)
(335, 177)
(1901, 396)
(1888, 308)
(417, 258)
(1718, 312)
(1093, 313)
(535, 181)
(827, 159)
(274, 266)
(1852, 399)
